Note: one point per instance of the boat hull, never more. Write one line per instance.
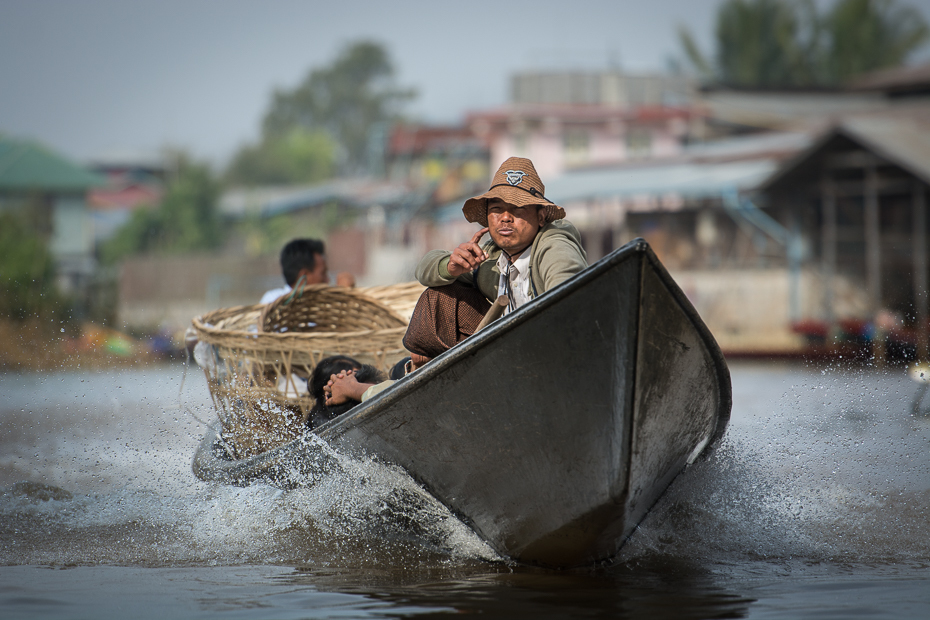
(553, 431)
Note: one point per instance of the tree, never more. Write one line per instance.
(186, 220)
(344, 101)
(298, 156)
(759, 44)
(27, 271)
(787, 43)
(866, 35)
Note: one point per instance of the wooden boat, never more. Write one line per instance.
(553, 431)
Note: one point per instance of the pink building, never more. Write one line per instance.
(558, 137)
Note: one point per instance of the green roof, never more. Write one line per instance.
(28, 166)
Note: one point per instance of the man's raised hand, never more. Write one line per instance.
(467, 256)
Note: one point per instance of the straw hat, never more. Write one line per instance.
(516, 183)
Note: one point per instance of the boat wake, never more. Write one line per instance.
(96, 469)
(839, 474)
(363, 513)
(813, 469)
(361, 506)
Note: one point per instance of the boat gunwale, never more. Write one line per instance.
(336, 427)
(719, 360)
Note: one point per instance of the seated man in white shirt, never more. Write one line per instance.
(303, 261)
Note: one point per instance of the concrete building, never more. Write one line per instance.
(610, 88)
(782, 241)
(857, 199)
(449, 159)
(560, 137)
(571, 119)
(53, 192)
(133, 181)
(729, 257)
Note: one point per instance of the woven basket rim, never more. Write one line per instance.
(250, 339)
(325, 289)
(199, 326)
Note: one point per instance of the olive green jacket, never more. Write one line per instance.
(555, 256)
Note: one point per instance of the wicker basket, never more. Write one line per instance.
(263, 354)
(401, 298)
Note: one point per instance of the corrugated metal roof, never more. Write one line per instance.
(784, 109)
(272, 201)
(688, 180)
(902, 140)
(895, 79)
(759, 145)
(684, 180)
(26, 166)
(580, 112)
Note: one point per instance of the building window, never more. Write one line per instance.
(575, 142)
(519, 144)
(638, 143)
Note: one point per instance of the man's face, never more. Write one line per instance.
(513, 228)
(319, 273)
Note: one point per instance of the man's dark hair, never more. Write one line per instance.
(327, 367)
(299, 254)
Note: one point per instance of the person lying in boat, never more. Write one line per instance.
(355, 386)
(351, 387)
(319, 380)
(532, 249)
(303, 262)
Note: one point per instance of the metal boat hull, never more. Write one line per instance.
(553, 431)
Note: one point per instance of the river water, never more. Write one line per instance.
(815, 505)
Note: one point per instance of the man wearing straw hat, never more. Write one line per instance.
(532, 250)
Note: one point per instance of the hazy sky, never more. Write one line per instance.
(90, 77)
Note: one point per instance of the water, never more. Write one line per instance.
(817, 505)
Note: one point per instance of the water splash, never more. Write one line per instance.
(835, 471)
(819, 465)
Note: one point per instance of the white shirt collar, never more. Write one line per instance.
(519, 280)
(520, 265)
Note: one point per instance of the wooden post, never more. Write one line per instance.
(873, 258)
(828, 251)
(794, 267)
(919, 250)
